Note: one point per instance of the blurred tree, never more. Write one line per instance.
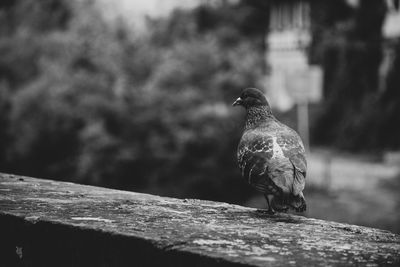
(88, 101)
(389, 109)
(19, 61)
(349, 47)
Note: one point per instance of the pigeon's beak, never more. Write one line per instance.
(238, 102)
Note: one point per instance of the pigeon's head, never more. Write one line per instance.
(251, 97)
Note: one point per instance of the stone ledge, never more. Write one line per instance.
(49, 223)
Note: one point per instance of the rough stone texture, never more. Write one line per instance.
(49, 223)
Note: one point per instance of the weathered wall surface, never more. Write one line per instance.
(48, 223)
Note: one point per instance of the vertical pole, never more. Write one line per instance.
(328, 171)
(302, 123)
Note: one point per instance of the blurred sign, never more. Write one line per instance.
(305, 85)
(291, 79)
(288, 87)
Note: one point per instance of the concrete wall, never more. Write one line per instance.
(49, 223)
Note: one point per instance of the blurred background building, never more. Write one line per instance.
(136, 95)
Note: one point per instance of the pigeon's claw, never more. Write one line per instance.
(266, 211)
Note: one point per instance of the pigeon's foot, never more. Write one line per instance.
(278, 204)
(285, 209)
(301, 209)
(266, 211)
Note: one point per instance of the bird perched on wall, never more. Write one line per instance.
(271, 155)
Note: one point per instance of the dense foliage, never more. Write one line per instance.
(91, 102)
(360, 110)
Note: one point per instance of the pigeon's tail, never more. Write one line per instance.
(298, 203)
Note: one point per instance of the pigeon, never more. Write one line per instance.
(271, 155)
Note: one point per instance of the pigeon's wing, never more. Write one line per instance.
(293, 149)
(299, 166)
(254, 155)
